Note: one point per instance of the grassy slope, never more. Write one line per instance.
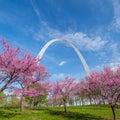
(74, 113)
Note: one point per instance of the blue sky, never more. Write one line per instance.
(93, 26)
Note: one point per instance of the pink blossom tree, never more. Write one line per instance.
(35, 92)
(82, 92)
(18, 68)
(61, 90)
(14, 65)
(92, 87)
(107, 86)
(26, 82)
(10, 68)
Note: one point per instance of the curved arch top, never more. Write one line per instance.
(42, 51)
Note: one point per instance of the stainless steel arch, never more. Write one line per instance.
(42, 51)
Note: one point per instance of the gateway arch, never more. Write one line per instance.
(42, 51)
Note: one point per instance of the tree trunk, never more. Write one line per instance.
(113, 111)
(103, 100)
(21, 104)
(90, 100)
(6, 85)
(82, 101)
(32, 103)
(75, 103)
(65, 110)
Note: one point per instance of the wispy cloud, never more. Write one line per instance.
(116, 22)
(35, 8)
(86, 43)
(112, 65)
(111, 56)
(113, 49)
(80, 39)
(62, 63)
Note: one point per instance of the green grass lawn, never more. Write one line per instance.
(50, 113)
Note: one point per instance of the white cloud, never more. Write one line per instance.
(81, 40)
(112, 65)
(84, 42)
(62, 63)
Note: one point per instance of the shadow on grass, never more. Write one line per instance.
(74, 115)
(4, 114)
